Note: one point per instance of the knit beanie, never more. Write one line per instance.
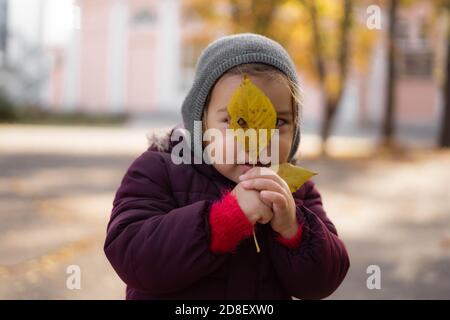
(220, 56)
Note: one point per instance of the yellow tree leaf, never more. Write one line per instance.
(250, 108)
(294, 176)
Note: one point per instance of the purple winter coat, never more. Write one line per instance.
(159, 235)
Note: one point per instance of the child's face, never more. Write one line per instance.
(217, 116)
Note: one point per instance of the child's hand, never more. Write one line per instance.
(252, 205)
(274, 192)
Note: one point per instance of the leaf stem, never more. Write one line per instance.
(258, 250)
(256, 241)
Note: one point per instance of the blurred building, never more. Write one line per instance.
(99, 56)
(139, 56)
(128, 55)
(420, 51)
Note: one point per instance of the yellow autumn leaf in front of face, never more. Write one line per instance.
(250, 108)
(294, 176)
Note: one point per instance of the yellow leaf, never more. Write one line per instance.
(294, 176)
(250, 108)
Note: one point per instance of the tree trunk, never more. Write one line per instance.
(263, 14)
(445, 127)
(331, 103)
(389, 121)
(327, 125)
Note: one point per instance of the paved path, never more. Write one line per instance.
(57, 186)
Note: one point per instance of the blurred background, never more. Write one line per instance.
(82, 83)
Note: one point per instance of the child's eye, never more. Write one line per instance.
(226, 122)
(280, 122)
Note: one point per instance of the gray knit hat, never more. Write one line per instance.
(222, 55)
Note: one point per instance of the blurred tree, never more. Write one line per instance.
(444, 139)
(323, 37)
(331, 76)
(389, 115)
(235, 16)
(7, 112)
(254, 15)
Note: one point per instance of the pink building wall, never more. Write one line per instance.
(142, 56)
(93, 54)
(416, 100)
(56, 88)
(97, 59)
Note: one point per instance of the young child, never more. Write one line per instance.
(185, 231)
